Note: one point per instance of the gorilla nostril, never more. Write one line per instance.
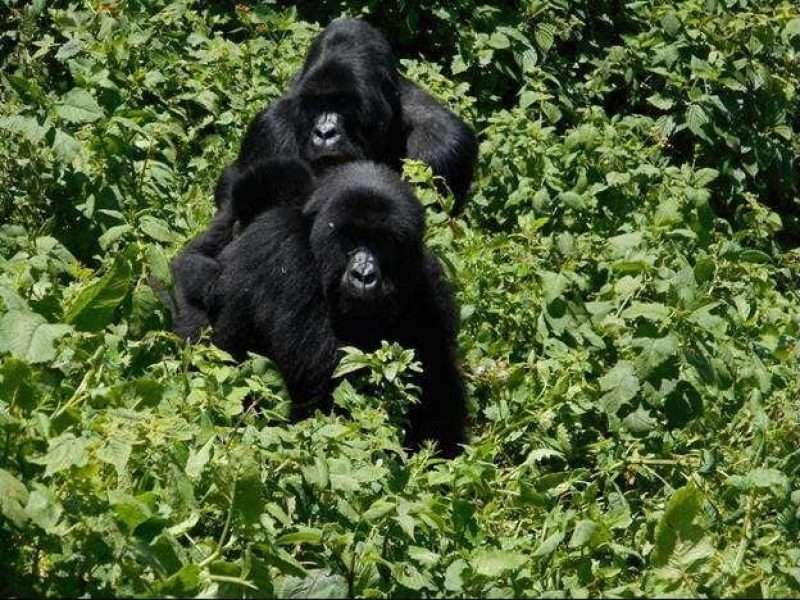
(363, 277)
(369, 279)
(325, 131)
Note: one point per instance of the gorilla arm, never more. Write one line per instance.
(439, 138)
(193, 271)
(441, 414)
(267, 300)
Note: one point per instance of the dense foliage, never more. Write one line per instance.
(626, 270)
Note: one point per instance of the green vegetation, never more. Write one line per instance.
(626, 270)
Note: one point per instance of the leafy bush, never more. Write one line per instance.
(629, 301)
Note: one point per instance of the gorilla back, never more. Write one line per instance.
(349, 268)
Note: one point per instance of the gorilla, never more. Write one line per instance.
(347, 103)
(335, 262)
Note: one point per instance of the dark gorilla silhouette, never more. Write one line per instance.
(345, 268)
(347, 103)
(270, 182)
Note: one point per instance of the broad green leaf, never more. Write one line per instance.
(378, 509)
(544, 35)
(94, 306)
(157, 229)
(79, 106)
(116, 452)
(620, 385)
(453, 580)
(64, 451)
(661, 102)
(303, 535)
(792, 28)
(318, 584)
(423, 556)
(639, 421)
(13, 498)
(43, 508)
(493, 563)
(185, 583)
(588, 533)
(549, 545)
(499, 41)
(676, 522)
(26, 126)
(696, 120)
(198, 459)
(647, 310)
(29, 337)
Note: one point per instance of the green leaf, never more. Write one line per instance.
(620, 385)
(94, 306)
(639, 421)
(588, 533)
(378, 509)
(26, 126)
(249, 501)
(319, 584)
(548, 546)
(66, 148)
(116, 452)
(671, 24)
(13, 498)
(64, 452)
(553, 285)
(696, 119)
(16, 387)
(703, 177)
(185, 583)
(157, 229)
(792, 28)
(544, 35)
(676, 522)
(198, 459)
(453, 580)
(647, 310)
(303, 535)
(29, 337)
(79, 106)
(661, 102)
(43, 508)
(423, 556)
(499, 41)
(493, 563)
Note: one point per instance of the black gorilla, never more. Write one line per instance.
(348, 267)
(347, 103)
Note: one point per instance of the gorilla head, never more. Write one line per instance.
(366, 238)
(348, 99)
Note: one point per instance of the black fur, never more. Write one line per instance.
(350, 70)
(350, 66)
(249, 190)
(281, 292)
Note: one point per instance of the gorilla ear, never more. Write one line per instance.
(269, 183)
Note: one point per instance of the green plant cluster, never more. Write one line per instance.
(626, 270)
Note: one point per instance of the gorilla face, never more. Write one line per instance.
(366, 237)
(347, 96)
